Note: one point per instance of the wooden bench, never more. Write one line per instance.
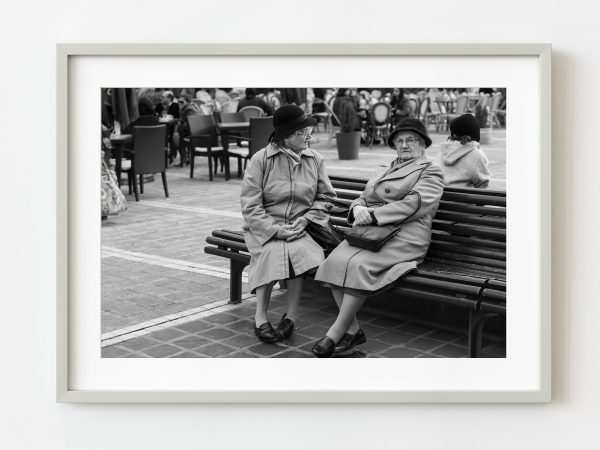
(465, 265)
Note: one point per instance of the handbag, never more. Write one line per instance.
(371, 237)
(328, 237)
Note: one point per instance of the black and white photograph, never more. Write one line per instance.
(303, 222)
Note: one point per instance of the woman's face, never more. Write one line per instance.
(409, 145)
(299, 140)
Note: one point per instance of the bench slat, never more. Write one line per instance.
(472, 209)
(499, 222)
(236, 236)
(493, 308)
(227, 243)
(470, 230)
(449, 256)
(240, 257)
(467, 250)
(442, 236)
(428, 295)
(494, 294)
(441, 284)
(475, 199)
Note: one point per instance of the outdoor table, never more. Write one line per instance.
(118, 142)
(168, 121)
(225, 128)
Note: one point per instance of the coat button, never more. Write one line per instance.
(387, 191)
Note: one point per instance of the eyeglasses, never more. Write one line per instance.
(408, 141)
(304, 133)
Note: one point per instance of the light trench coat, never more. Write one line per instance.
(276, 190)
(408, 193)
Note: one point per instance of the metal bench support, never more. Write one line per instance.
(477, 320)
(235, 281)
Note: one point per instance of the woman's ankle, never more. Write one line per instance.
(259, 319)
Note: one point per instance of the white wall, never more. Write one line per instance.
(30, 419)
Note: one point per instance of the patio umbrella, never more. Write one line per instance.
(124, 102)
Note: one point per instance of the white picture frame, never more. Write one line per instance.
(536, 389)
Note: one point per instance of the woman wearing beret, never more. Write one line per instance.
(406, 192)
(285, 186)
(462, 159)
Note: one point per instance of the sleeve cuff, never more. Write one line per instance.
(373, 218)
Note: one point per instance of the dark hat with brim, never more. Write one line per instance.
(409, 124)
(289, 119)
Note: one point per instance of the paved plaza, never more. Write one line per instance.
(162, 296)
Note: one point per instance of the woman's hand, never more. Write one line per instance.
(288, 233)
(300, 224)
(362, 215)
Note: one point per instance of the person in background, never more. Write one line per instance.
(345, 109)
(168, 106)
(273, 98)
(462, 159)
(252, 100)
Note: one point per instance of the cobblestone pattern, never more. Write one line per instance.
(230, 335)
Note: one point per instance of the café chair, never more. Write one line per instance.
(382, 117)
(148, 157)
(251, 111)
(496, 110)
(260, 131)
(229, 107)
(320, 112)
(203, 141)
(460, 108)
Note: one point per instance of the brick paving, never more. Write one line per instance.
(156, 278)
(229, 334)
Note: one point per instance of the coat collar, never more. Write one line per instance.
(403, 171)
(272, 150)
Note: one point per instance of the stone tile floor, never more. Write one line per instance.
(162, 296)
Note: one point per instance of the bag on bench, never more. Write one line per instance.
(328, 237)
(371, 237)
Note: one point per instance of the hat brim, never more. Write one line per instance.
(286, 132)
(390, 139)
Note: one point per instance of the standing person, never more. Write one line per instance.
(285, 186)
(406, 192)
(188, 108)
(462, 159)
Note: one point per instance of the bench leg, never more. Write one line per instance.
(235, 281)
(477, 320)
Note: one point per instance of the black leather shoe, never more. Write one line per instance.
(285, 328)
(349, 341)
(324, 347)
(266, 333)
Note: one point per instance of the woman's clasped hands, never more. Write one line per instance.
(362, 215)
(296, 230)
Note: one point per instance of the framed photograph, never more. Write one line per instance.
(265, 235)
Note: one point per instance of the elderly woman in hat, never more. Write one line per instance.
(406, 192)
(285, 186)
(462, 159)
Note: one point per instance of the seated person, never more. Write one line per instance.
(461, 158)
(252, 100)
(167, 105)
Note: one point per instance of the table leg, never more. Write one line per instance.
(225, 144)
(118, 163)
